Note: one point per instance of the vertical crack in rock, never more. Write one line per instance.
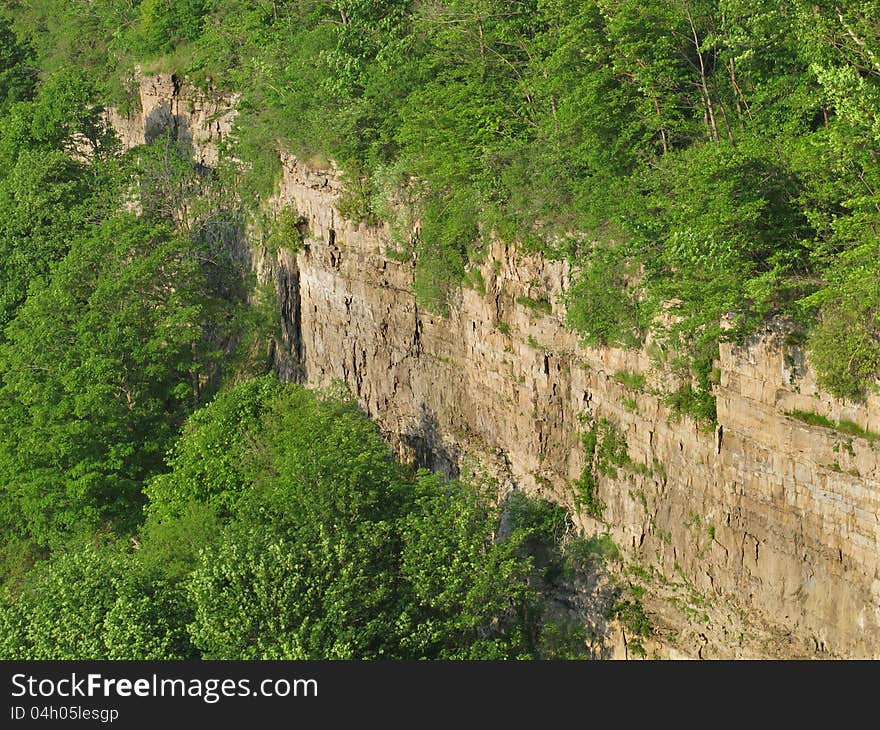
(290, 368)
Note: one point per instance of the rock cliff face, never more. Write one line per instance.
(199, 118)
(769, 514)
(761, 538)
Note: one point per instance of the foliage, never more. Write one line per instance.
(329, 549)
(17, 72)
(633, 381)
(844, 347)
(284, 231)
(101, 367)
(705, 159)
(843, 426)
(605, 451)
(94, 604)
(693, 162)
(814, 419)
(631, 614)
(543, 527)
(611, 450)
(543, 522)
(209, 460)
(307, 566)
(564, 638)
(586, 486)
(536, 305)
(282, 569)
(601, 304)
(323, 517)
(698, 376)
(463, 580)
(45, 196)
(163, 25)
(581, 551)
(448, 233)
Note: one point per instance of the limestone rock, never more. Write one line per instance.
(763, 535)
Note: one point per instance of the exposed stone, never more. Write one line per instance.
(763, 535)
(199, 118)
(767, 513)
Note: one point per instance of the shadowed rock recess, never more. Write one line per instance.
(761, 537)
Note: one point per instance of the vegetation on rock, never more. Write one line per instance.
(696, 161)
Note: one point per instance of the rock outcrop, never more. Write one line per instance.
(200, 118)
(766, 514)
(761, 537)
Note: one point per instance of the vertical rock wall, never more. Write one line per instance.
(200, 119)
(766, 515)
(762, 536)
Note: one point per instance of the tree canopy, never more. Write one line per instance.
(314, 542)
(723, 154)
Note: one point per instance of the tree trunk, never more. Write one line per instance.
(704, 86)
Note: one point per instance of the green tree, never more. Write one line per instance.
(95, 604)
(844, 345)
(471, 592)
(45, 197)
(334, 553)
(307, 568)
(209, 463)
(60, 611)
(163, 24)
(101, 367)
(17, 68)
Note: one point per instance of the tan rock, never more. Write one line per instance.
(764, 533)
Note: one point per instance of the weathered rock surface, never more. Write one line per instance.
(768, 514)
(199, 118)
(762, 536)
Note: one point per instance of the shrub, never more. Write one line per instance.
(633, 381)
(845, 349)
(601, 306)
(536, 305)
